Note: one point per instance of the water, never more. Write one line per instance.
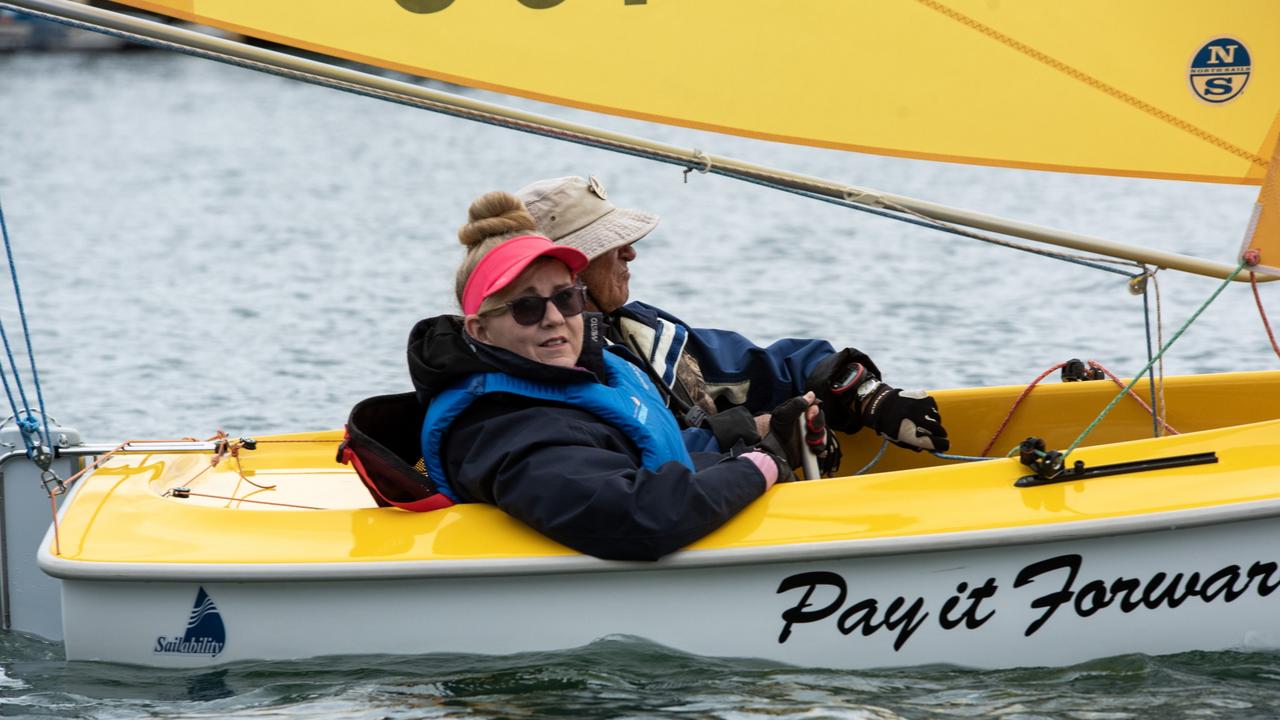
(202, 247)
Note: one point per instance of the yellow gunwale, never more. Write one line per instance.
(118, 514)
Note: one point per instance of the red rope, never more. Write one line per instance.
(1016, 403)
(57, 541)
(1253, 280)
(1132, 394)
(1023, 396)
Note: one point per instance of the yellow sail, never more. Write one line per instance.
(1182, 89)
(1263, 236)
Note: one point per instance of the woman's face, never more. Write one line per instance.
(554, 340)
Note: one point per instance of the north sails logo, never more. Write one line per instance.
(205, 635)
(1220, 69)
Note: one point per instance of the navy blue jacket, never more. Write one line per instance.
(765, 377)
(563, 471)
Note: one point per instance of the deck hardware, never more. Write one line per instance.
(248, 443)
(1075, 370)
(179, 492)
(52, 484)
(1050, 467)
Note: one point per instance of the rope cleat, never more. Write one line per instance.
(1046, 464)
(1075, 370)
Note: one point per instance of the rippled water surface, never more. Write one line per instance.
(202, 247)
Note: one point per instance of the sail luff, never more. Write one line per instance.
(352, 80)
(1263, 235)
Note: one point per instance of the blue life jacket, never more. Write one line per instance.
(628, 402)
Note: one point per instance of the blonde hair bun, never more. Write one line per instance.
(495, 214)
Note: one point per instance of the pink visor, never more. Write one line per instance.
(504, 263)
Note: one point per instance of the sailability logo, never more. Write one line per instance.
(1220, 69)
(205, 635)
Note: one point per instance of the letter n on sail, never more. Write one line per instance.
(1264, 229)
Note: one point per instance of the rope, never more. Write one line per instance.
(914, 218)
(1018, 401)
(119, 449)
(26, 423)
(884, 444)
(1262, 312)
(1141, 105)
(699, 161)
(1155, 282)
(1120, 383)
(244, 500)
(53, 504)
(1138, 375)
(964, 458)
(1146, 322)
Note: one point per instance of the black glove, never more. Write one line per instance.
(908, 419)
(787, 441)
(842, 411)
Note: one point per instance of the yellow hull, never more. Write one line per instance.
(319, 513)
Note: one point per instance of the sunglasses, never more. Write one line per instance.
(530, 309)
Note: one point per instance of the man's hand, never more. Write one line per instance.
(908, 419)
(785, 439)
(762, 424)
(828, 379)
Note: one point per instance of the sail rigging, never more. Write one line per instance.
(1148, 88)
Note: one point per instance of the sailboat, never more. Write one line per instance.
(1127, 539)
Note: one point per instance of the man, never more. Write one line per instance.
(709, 373)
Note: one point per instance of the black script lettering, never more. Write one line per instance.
(1128, 586)
(861, 613)
(944, 616)
(797, 613)
(1264, 571)
(968, 616)
(1225, 579)
(976, 596)
(1153, 598)
(1050, 601)
(909, 621)
(861, 616)
(1092, 598)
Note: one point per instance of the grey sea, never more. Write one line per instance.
(202, 247)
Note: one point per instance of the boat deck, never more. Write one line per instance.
(289, 502)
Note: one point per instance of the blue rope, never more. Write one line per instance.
(965, 458)
(1151, 373)
(28, 424)
(879, 454)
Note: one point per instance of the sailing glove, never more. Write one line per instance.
(786, 441)
(909, 419)
(841, 409)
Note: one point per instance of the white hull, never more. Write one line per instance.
(732, 610)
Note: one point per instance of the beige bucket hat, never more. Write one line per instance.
(576, 212)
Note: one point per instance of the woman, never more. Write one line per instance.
(530, 412)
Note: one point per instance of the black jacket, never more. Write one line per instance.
(562, 470)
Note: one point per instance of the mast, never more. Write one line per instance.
(264, 60)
